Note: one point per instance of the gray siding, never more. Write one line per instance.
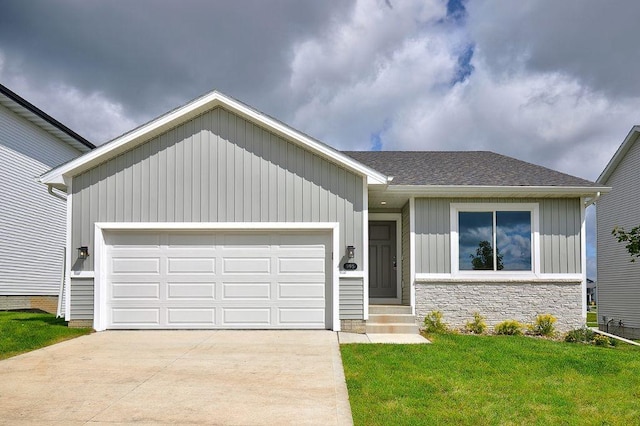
(351, 298)
(560, 222)
(618, 278)
(219, 167)
(31, 220)
(81, 299)
(406, 256)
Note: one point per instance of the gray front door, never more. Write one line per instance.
(383, 282)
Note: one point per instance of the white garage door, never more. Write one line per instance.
(217, 280)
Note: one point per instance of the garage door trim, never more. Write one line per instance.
(100, 281)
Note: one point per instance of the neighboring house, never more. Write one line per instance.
(618, 277)
(592, 292)
(32, 222)
(218, 216)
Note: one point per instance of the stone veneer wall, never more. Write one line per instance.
(353, 326)
(498, 302)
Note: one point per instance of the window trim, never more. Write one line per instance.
(456, 208)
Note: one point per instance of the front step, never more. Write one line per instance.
(391, 319)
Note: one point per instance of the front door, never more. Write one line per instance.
(383, 282)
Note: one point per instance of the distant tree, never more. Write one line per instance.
(483, 259)
(632, 238)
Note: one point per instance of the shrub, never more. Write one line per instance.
(478, 325)
(543, 326)
(510, 328)
(600, 340)
(433, 323)
(579, 335)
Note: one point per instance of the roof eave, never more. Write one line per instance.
(632, 136)
(498, 191)
(192, 110)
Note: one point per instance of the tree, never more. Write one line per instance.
(483, 260)
(632, 238)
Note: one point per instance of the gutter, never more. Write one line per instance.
(60, 196)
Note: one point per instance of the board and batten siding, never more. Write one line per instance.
(618, 278)
(219, 167)
(32, 222)
(560, 225)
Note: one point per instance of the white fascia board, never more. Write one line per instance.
(189, 111)
(495, 191)
(631, 138)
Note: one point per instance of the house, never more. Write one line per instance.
(618, 277)
(215, 215)
(32, 222)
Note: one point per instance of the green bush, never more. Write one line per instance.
(478, 325)
(433, 323)
(509, 328)
(600, 340)
(543, 326)
(579, 335)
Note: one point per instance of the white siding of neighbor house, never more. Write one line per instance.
(560, 224)
(219, 167)
(32, 222)
(618, 278)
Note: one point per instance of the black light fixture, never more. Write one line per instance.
(83, 252)
(351, 252)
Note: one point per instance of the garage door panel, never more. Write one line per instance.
(191, 316)
(190, 290)
(298, 290)
(135, 290)
(137, 265)
(246, 265)
(135, 316)
(125, 239)
(192, 265)
(246, 290)
(218, 280)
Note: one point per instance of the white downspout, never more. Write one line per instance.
(50, 189)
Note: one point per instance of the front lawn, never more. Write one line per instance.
(592, 319)
(480, 380)
(25, 331)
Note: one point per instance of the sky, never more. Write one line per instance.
(552, 83)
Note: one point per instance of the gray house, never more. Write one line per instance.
(218, 216)
(32, 222)
(618, 278)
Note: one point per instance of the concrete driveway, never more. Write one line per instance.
(186, 377)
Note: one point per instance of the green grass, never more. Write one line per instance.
(25, 331)
(492, 380)
(592, 319)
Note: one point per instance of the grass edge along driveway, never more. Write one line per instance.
(22, 332)
(480, 380)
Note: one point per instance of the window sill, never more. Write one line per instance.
(493, 278)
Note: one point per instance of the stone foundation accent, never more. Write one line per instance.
(44, 303)
(80, 323)
(498, 302)
(353, 326)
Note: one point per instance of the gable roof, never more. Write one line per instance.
(35, 115)
(628, 142)
(189, 111)
(469, 168)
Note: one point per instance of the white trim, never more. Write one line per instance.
(397, 218)
(507, 279)
(68, 254)
(534, 208)
(190, 110)
(583, 257)
(622, 150)
(476, 191)
(412, 253)
(100, 253)
(365, 250)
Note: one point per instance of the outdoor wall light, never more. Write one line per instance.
(351, 252)
(83, 252)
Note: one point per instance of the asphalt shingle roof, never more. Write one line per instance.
(477, 168)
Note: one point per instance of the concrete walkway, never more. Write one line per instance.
(396, 339)
(185, 377)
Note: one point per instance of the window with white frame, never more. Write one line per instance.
(494, 237)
